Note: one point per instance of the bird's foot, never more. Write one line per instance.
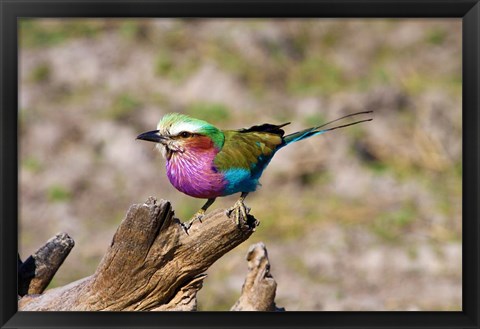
(240, 212)
(197, 216)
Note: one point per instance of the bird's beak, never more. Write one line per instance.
(153, 136)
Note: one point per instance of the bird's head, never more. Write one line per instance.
(178, 133)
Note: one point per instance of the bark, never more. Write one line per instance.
(37, 271)
(258, 291)
(152, 263)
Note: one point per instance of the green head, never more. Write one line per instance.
(178, 132)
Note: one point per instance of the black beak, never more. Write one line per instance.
(152, 136)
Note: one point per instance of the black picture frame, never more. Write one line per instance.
(11, 10)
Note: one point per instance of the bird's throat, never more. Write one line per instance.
(193, 173)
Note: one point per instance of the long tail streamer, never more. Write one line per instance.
(309, 132)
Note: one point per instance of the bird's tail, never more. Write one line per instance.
(299, 135)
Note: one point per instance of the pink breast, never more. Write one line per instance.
(193, 174)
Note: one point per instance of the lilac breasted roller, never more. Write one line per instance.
(205, 162)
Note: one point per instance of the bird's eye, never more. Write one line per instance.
(185, 134)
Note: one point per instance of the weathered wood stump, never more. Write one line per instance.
(37, 271)
(152, 264)
(258, 291)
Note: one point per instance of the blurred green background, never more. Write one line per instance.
(363, 218)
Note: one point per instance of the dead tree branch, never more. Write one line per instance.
(37, 271)
(258, 291)
(152, 263)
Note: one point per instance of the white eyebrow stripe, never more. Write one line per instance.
(176, 129)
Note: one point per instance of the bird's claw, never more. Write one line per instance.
(198, 216)
(240, 212)
(186, 227)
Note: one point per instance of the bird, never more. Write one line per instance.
(205, 162)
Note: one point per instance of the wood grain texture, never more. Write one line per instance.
(37, 271)
(258, 291)
(152, 263)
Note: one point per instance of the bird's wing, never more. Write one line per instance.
(247, 148)
(266, 127)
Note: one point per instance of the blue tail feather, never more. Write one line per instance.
(298, 136)
(306, 133)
